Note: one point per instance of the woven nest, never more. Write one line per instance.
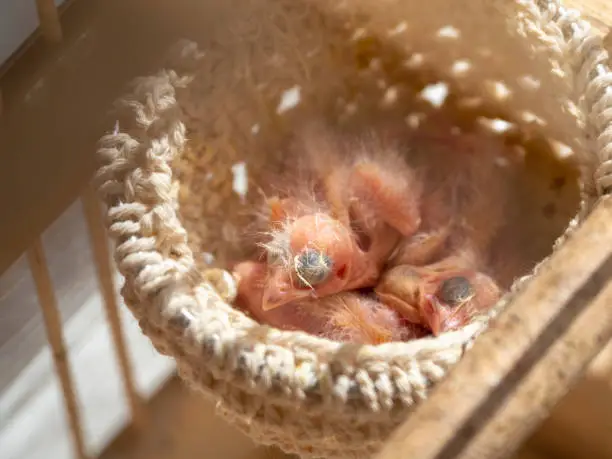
(169, 168)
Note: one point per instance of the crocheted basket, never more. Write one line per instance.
(170, 168)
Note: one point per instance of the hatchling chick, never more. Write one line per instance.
(441, 296)
(340, 212)
(462, 214)
(344, 317)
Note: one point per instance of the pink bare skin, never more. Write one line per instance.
(369, 169)
(344, 317)
(353, 211)
(251, 280)
(352, 267)
(355, 202)
(355, 318)
(416, 293)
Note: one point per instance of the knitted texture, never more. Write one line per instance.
(168, 171)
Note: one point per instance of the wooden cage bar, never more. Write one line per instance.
(53, 327)
(48, 18)
(99, 243)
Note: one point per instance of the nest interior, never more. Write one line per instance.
(294, 64)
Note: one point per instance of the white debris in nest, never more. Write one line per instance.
(209, 176)
(557, 71)
(496, 124)
(435, 94)
(289, 99)
(255, 129)
(415, 61)
(531, 117)
(390, 96)
(499, 90)
(448, 32)
(499, 125)
(561, 149)
(461, 67)
(414, 120)
(208, 258)
(116, 128)
(572, 108)
(240, 183)
(398, 29)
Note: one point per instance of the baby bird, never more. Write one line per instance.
(351, 211)
(436, 278)
(442, 296)
(342, 211)
(344, 317)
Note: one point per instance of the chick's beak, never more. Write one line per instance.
(432, 313)
(279, 291)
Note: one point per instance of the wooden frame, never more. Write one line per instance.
(53, 326)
